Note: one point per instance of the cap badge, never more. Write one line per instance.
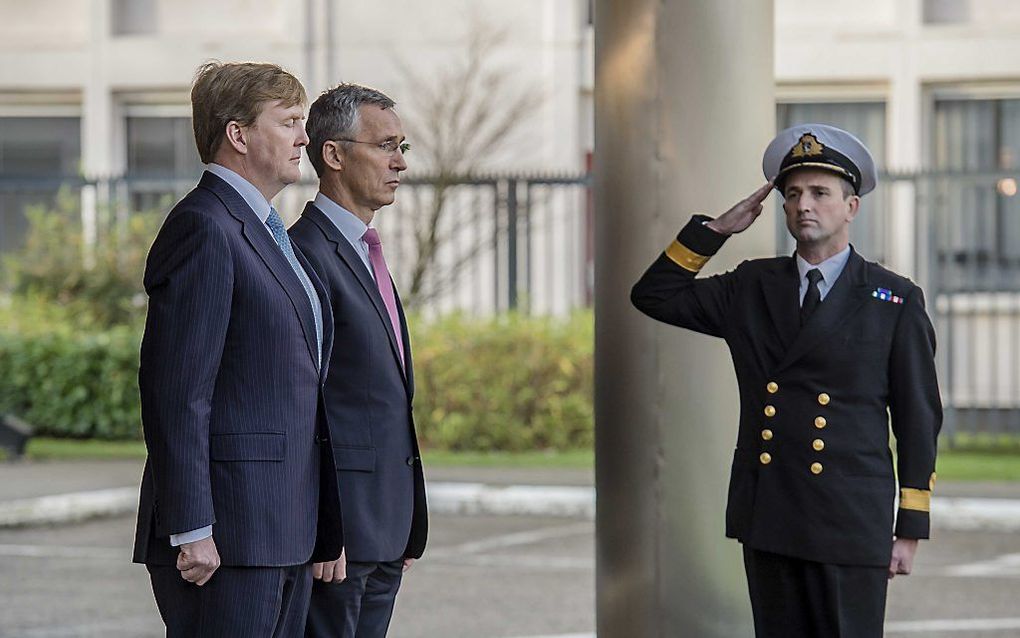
(807, 146)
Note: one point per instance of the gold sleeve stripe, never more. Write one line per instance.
(914, 499)
(685, 257)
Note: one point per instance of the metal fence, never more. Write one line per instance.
(489, 244)
(478, 244)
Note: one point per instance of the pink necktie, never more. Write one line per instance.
(385, 285)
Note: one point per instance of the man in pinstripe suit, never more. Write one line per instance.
(236, 340)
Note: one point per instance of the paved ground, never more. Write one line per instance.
(484, 577)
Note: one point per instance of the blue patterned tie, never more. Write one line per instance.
(279, 231)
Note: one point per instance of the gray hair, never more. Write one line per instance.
(334, 116)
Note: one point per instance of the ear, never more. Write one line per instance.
(237, 137)
(333, 155)
(855, 205)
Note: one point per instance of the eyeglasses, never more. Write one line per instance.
(389, 146)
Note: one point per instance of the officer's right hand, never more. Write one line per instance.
(743, 214)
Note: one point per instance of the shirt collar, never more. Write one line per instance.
(244, 188)
(349, 225)
(831, 268)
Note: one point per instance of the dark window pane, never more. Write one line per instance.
(161, 147)
(132, 17)
(36, 155)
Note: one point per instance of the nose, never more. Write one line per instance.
(397, 162)
(302, 139)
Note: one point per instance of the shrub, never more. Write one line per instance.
(72, 385)
(99, 284)
(510, 383)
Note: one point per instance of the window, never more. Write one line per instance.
(977, 212)
(132, 17)
(866, 120)
(162, 161)
(161, 147)
(37, 155)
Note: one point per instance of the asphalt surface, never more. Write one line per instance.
(483, 577)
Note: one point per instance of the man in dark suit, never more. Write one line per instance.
(237, 332)
(826, 347)
(357, 148)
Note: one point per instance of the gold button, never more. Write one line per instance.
(770, 411)
(816, 468)
(818, 444)
(820, 422)
(772, 387)
(823, 399)
(765, 458)
(766, 434)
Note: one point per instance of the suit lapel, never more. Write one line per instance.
(270, 253)
(327, 310)
(353, 262)
(781, 289)
(844, 299)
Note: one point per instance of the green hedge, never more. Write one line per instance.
(72, 385)
(511, 383)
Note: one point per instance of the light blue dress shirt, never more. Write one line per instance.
(831, 269)
(349, 225)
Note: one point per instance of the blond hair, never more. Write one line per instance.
(236, 91)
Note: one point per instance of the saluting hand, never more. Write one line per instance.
(197, 561)
(743, 213)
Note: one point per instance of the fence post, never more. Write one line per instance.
(511, 243)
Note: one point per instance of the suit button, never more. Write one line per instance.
(772, 387)
(770, 411)
(823, 399)
(765, 458)
(816, 468)
(820, 422)
(410, 461)
(766, 434)
(818, 445)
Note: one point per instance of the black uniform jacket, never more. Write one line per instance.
(812, 472)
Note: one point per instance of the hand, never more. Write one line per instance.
(197, 561)
(903, 551)
(332, 570)
(407, 564)
(743, 213)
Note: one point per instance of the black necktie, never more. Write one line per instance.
(812, 297)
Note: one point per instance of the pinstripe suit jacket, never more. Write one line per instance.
(368, 404)
(231, 391)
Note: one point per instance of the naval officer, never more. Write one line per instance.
(829, 350)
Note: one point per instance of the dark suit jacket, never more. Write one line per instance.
(812, 472)
(231, 391)
(368, 404)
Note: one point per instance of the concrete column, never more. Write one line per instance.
(96, 129)
(904, 135)
(684, 108)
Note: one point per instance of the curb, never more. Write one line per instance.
(949, 513)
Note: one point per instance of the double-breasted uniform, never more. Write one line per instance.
(812, 475)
